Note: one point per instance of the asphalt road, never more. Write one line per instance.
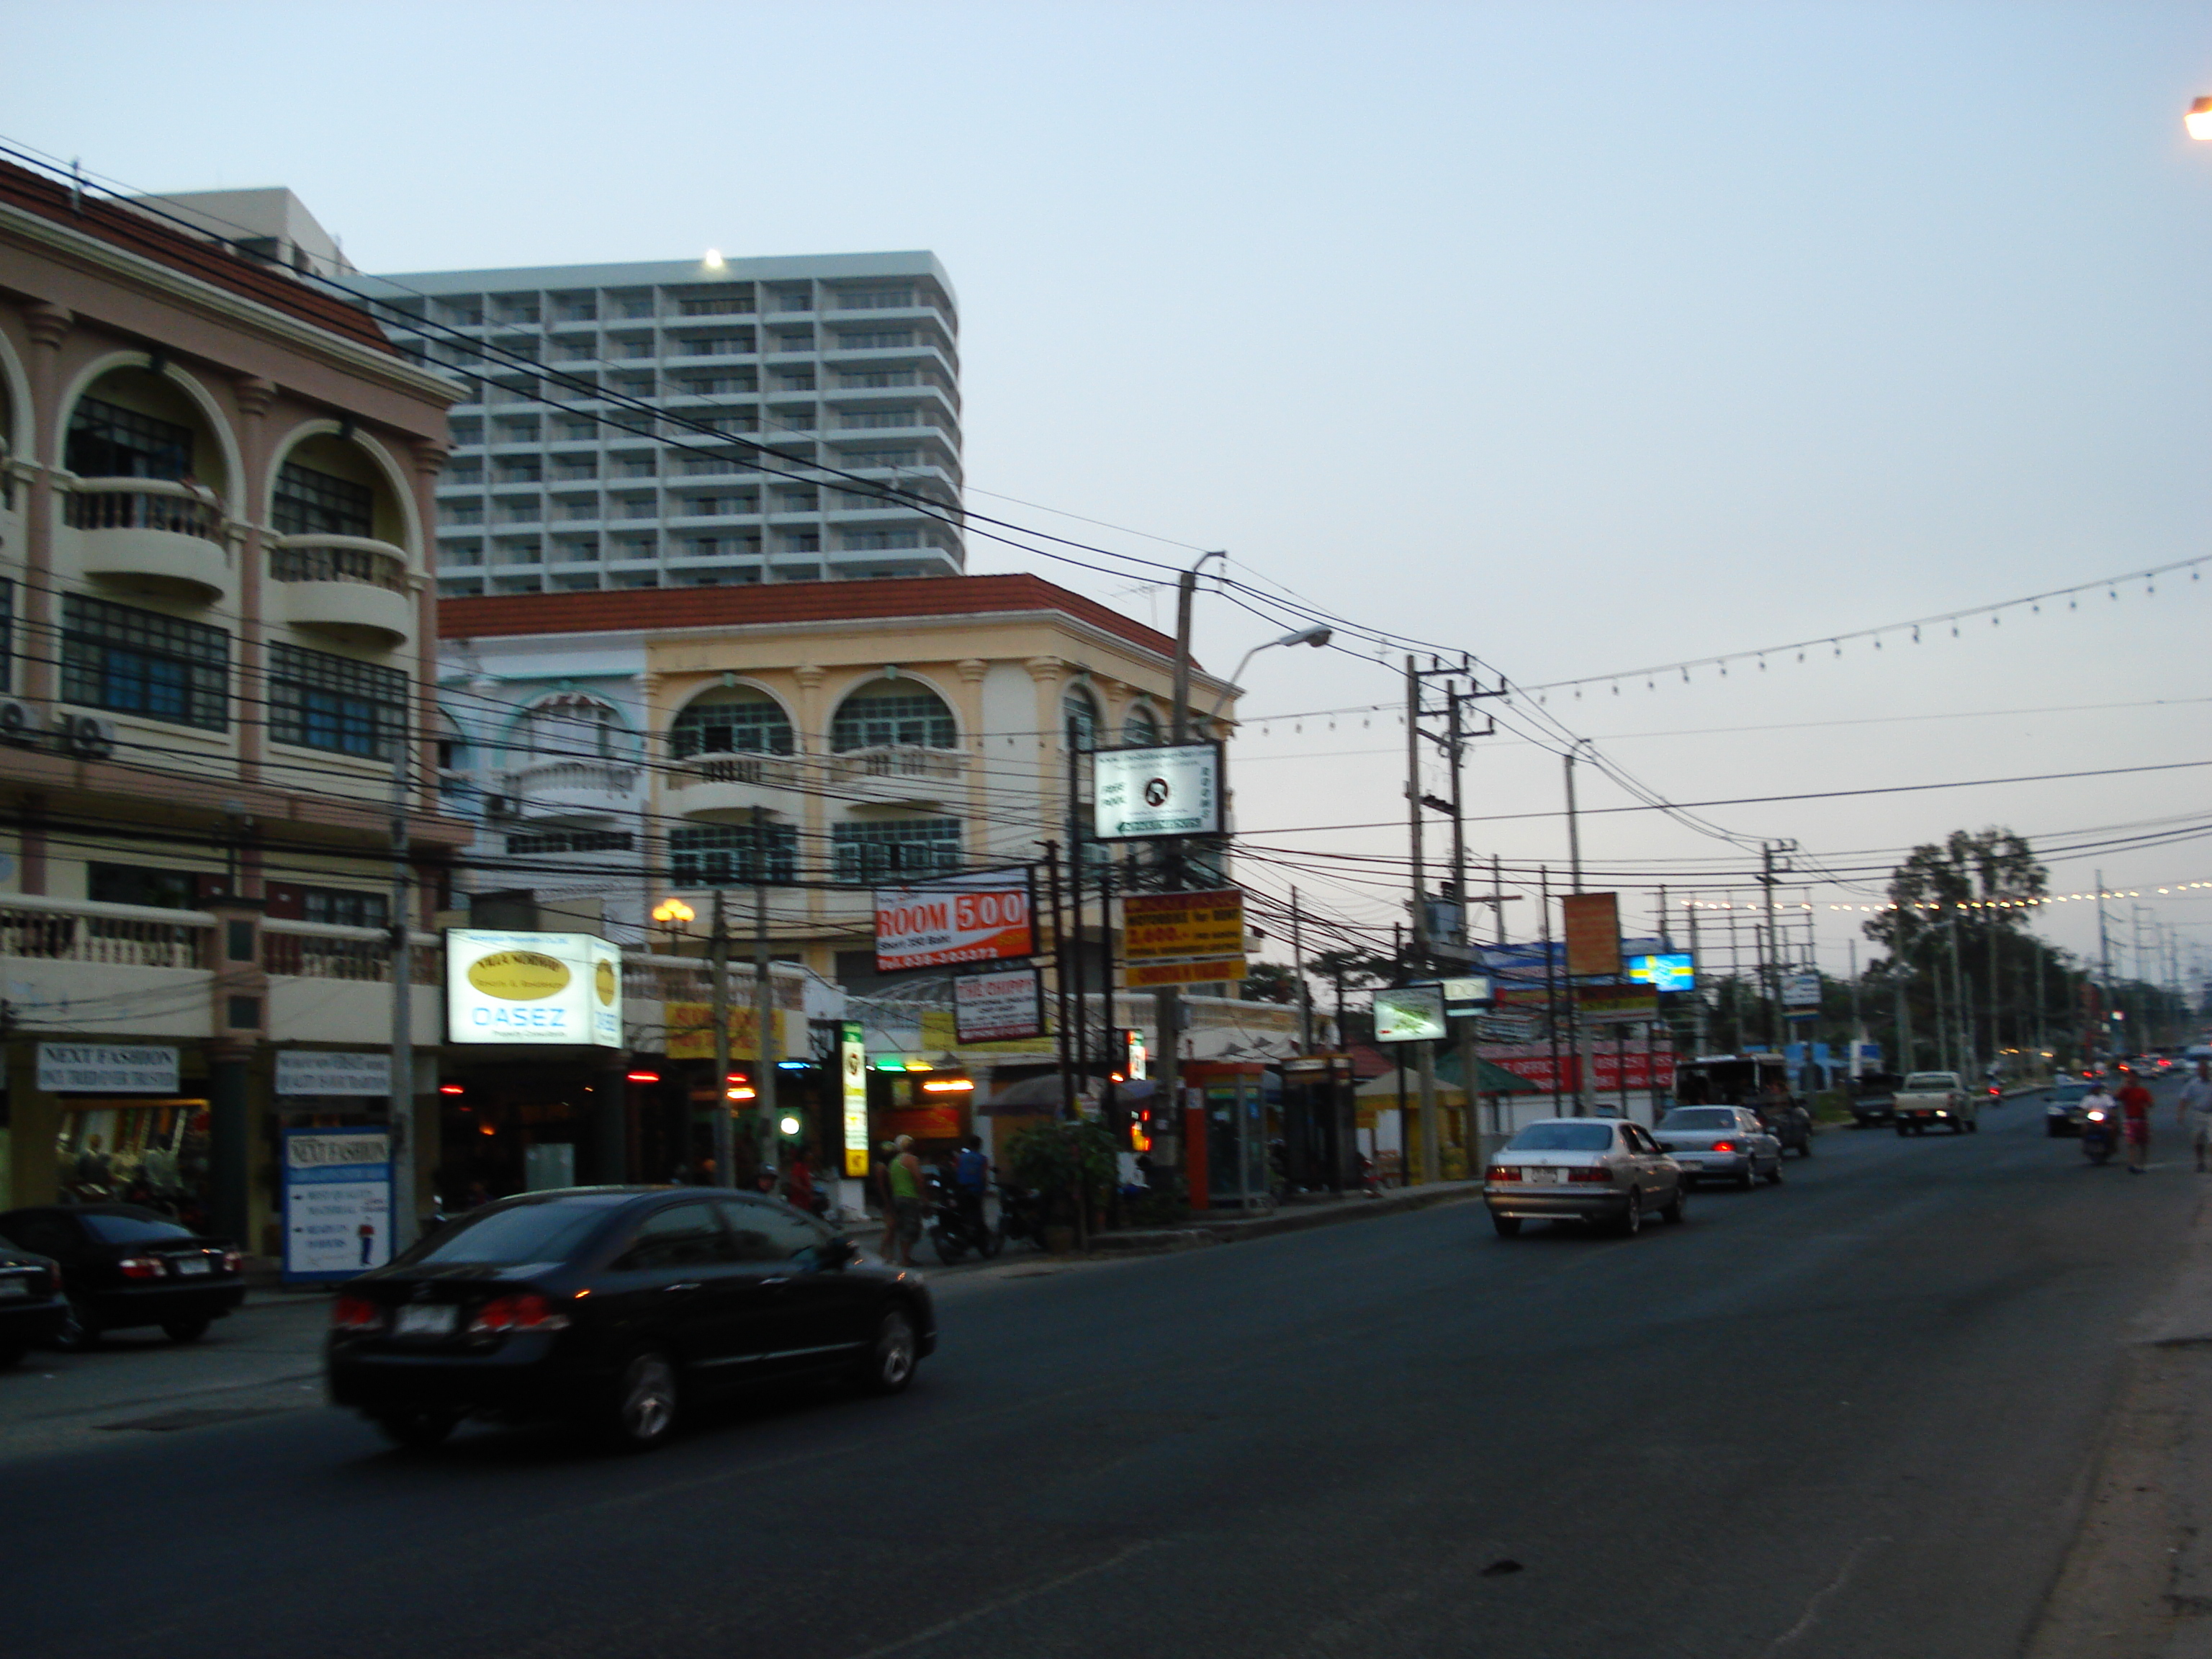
(1853, 1415)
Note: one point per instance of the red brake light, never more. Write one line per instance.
(1596, 1175)
(232, 1261)
(527, 1312)
(1725, 1146)
(355, 1313)
(140, 1267)
(1502, 1172)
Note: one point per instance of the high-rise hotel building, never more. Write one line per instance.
(847, 362)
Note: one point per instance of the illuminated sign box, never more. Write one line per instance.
(1667, 973)
(516, 990)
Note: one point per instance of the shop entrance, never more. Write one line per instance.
(137, 1151)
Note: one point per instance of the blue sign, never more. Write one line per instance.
(1673, 972)
(337, 1203)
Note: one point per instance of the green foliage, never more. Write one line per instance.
(1270, 981)
(1062, 1159)
(1973, 883)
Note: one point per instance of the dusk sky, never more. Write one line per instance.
(1580, 337)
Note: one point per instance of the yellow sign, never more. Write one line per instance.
(521, 975)
(1168, 926)
(939, 1032)
(1141, 974)
(853, 1089)
(691, 1032)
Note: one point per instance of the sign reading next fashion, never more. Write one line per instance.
(107, 1068)
(1141, 794)
(337, 1202)
(984, 917)
(532, 989)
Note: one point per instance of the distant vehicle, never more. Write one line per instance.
(1873, 1094)
(1928, 1100)
(1720, 1143)
(124, 1266)
(32, 1308)
(616, 1307)
(1599, 1171)
(2062, 1112)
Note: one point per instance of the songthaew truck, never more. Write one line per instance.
(1931, 1100)
(1760, 1082)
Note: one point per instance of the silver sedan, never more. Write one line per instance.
(1597, 1170)
(1721, 1143)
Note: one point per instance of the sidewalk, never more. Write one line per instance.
(1201, 1230)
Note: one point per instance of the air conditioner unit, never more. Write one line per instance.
(86, 736)
(501, 806)
(19, 723)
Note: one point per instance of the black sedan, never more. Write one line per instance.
(32, 1308)
(616, 1307)
(125, 1266)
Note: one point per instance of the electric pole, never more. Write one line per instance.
(763, 994)
(718, 964)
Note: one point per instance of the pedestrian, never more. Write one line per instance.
(971, 1179)
(883, 1185)
(2134, 1101)
(799, 1182)
(904, 1178)
(2194, 1112)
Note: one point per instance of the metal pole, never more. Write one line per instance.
(400, 1107)
(1077, 992)
(1585, 1066)
(1424, 1054)
(718, 959)
(1167, 1001)
(763, 994)
(1551, 982)
(1060, 982)
(1299, 972)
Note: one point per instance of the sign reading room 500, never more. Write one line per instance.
(532, 989)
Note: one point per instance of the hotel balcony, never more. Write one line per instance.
(150, 534)
(723, 787)
(896, 776)
(553, 788)
(347, 586)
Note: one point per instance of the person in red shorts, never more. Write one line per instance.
(2135, 1117)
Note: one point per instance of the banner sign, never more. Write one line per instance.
(689, 1030)
(1176, 927)
(337, 1203)
(327, 1071)
(1601, 1005)
(1593, 930)
(1409, 1013)
(1801, 990)
(1143, 974)
(852, 1097)
(939, 1030)
(1532, 1061)
(1465, 996)
(985, 917)
(107, 1068)
(999, 1005)
(1675, 971)
(1143, 793)
(508, 989)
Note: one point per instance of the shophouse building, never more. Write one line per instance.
(216, 513)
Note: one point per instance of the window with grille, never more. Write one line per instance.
(141, 662)
(893, 713)
(1080, 715)
(107, 441)
(729, 854)
(321, 700)
(733, 724)
(894, 849)
(310, 502)
(342, 907)
(572, 841)
(1141, 727)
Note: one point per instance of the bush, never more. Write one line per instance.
(1062, 1159)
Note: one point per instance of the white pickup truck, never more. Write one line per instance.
(1926, 1100)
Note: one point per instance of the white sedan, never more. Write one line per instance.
(1601, 1171)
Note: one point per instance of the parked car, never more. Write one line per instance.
(1720, 1143)
(618, 1308)
(124, 1266)
(1595, 1171)
(1874, 1096)
(2062, 1110)
(32, 1307)
(1928, 1100)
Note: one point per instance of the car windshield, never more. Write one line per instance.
(111, 1229)
(548, 1232)
(1698, 1117)
(1563, 1138)
(1931, 1080)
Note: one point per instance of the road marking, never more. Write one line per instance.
(1811, 1616)
(1006, 1601)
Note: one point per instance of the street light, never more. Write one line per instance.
(2199, 119)
(1316, 636)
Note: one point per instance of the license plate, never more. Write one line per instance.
(1545, 1177)
(436, 1320)
(12, 1289)
(192, 1265)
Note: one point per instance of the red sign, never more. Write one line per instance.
(1532, 1061)
(979, 918)
(1593, 933)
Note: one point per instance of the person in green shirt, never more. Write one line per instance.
(905, 1178)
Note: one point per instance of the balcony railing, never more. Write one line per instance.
(116, 935)
(338, 559)
(763, 771)
(314, 949)
(566, 776)
(930, 765)
(144, 504)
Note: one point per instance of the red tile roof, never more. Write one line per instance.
(195, 256)
(756, 604)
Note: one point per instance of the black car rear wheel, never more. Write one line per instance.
(79, 1329)
(1631, 1218)
(1677, 1206)
(185, 1330)
(1774, 1174)
(1749, 1178)
(11, 1354)
(890, 1365)
(1509, 1226)
(417, 1430)
(644, 1414)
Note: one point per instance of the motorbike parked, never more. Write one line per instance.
(956, 1223)
(2100, 1134)
(1021, 1215)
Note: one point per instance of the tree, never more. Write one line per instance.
(1270, 981)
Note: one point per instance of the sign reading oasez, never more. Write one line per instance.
(1141, 794)
(532, 989)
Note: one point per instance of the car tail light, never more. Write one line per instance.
(355, 1313)
(140, 1267)
(232, 1261)
(526, 1312)
(1603, 1175)
(1724, 1146)
(1503, 1172)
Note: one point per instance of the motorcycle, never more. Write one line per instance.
(2100, 1135)
(1021, 1215)
(956, 1224)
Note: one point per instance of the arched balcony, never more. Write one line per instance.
(734, 749)
(146, 502)
(338, 558)
(894, 742)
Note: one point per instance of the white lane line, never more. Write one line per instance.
(1811, 1616)
(1006, 1601)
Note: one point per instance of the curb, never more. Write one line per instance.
(1165, 1240)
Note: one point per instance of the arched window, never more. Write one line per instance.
(1079, 715)
(1142, 727)
(893, 714)
(569, 726)
(731, 720)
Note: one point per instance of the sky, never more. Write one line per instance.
(1578, 337)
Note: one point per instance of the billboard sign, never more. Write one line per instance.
(1465, 996)
(514, 988)
(1182, 938)
(852, 1097)
(1409, 1013)
(1144, 794)
(1593, 929)
(107, 1068)
(984, 917)
(337, 1203)
(1800, 991)
(333, 1072)
(1675, 971)
(998, 1005)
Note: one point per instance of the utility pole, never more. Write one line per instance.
(1424, 1053)
(1585, 1063)
(2103, 970)
(718, 961)
(763, 994)
(400, 1107)
(1298, 977)
(1167, 1001)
